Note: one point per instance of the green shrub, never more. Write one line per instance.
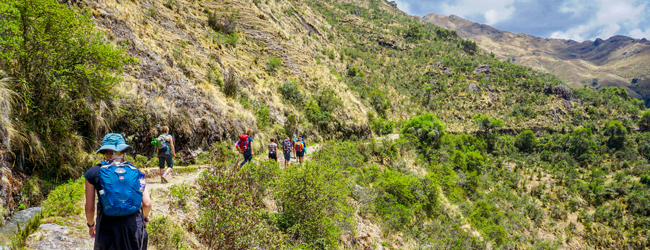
(486, 124)
(290, 93)
(180, 195)
(230, 87)
(644, 122)
(354, 71)
(165, 234)
(427, 128)
(273, 65)
(617, 133)
(526, 141)
(312, 203)
(262, 115)
(66, 200)
(229, 214)
(581, 143)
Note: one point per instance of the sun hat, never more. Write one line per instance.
(114, 142)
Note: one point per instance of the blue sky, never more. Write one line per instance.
(567, 19)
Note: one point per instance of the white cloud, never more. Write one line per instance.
(403, 6)
(493, 11)
(611, 17)
(638, 33)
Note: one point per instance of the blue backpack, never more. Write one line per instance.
(120, 194)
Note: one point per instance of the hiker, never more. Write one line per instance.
(166, 153)
(245, 146)
(286, 149)
(273, 148)
(124, 202)
(300, 138)
(299, 150)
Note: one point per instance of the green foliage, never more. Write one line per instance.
(262, 115)
(380, 126)
(617, 133)
(230, 216)
(312, 203)
(581, 143)
(404, 196)
(526, 141)
(320, 111)
(354, 71)
(180, 195)
(487, 217)
(65, 73)
(413, 33)
(486, 124)
(290, 93)
(426, 128)
(273, 65)
(165, 234)
(65, 200)
(644, 122)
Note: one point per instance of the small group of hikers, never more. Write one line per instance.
(118, 220)
(297, 146)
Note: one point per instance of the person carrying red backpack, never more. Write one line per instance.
(245, 146)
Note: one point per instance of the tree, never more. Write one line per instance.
(526, 141)
(616, 132)
(427, 128)
(580, 143)
(486, 124)
(644, 122)
(65, 73)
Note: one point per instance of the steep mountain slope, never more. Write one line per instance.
(618, 61)
(490, 154)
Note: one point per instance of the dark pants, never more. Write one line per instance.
(248, 156)
(165, 157)
(122, 232)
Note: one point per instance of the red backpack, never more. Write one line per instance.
(243, 143)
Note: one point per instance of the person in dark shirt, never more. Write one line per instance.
(114, 232)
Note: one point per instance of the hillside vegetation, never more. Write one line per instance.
(490, 154)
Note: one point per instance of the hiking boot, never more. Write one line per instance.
(163, 180)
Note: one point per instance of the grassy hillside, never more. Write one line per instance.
(491, 155)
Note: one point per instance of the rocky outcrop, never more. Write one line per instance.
(483, 69)
(11, 185)
(564, 92)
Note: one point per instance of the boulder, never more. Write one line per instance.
(564, 92)
(356, 12)
(437, 64)
(446, 72)
(491, 88)
(538, 133)
(473, 88)
(483, 69)
(431, 73)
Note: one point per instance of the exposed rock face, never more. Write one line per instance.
(483, 69)
(564, 92)
(11, 184)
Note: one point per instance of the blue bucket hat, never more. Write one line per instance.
(114, 142)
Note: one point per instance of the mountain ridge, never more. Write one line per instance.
(617, 61)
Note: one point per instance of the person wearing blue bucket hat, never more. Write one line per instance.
(117, 231)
